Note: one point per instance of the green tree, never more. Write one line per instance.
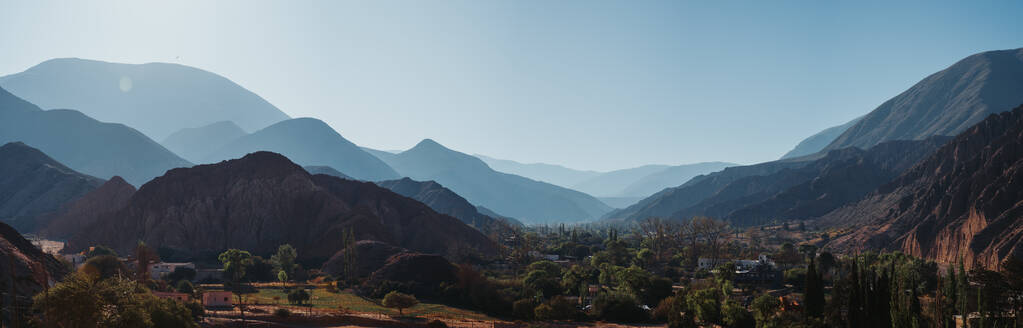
(814, 292)
(735, 315)
(235, 262)
(82, 300)
(707, 305)
(105, 267)
(284, 259)
(764, 308)
(544, 312)
(185, 286)
(282, 277)
(399, 301)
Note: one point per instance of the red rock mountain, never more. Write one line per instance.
(264, 200)
(963, 202)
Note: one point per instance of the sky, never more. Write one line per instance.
(597, 85)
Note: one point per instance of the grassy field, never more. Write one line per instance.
(323, 299)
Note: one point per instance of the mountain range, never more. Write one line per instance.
(528, 200)
(306, 141)
(264, 200)
(86, 145)
(615, 186)
(156, 98)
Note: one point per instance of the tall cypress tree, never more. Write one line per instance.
(814, 293)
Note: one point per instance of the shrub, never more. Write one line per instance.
(618, 307)
(523, 308)
(282, 312)
(544, 312)
(436, 324)
(298, 296)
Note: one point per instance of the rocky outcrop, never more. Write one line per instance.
(961, 203)
(264, 200)
(76, 215)
(33, 184)
(24, 269)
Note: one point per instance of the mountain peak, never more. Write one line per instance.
(429, 144)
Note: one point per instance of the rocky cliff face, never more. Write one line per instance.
(24, 269)
(962, 202)
(33, 184)
(264, 200)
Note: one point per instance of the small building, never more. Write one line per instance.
(159, 270)
(217, 298)
(181, 297)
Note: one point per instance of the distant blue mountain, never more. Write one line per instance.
(309, 142)
(527, 200)
(156, 98)
(85, 145)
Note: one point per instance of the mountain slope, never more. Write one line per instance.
(840, 177)
(264, 200)
(613, 183)
(32, 184)
(962, 202)
(668, 201)
(819, 140)
(671, 176)
(550, 173)
(156, 98)
(945, 103)
(314, 170)
(194, 144)
(444, 201)
(308, 141)
(528, 200)
(84, 144)
(78, 214)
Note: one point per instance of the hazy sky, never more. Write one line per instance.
(587, 84)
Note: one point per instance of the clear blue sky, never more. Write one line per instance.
(588, 84)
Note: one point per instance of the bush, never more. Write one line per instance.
(523, 309)
(282, 312)
(436, 324)
(618, 307)
(298, 296)
(544, 312)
